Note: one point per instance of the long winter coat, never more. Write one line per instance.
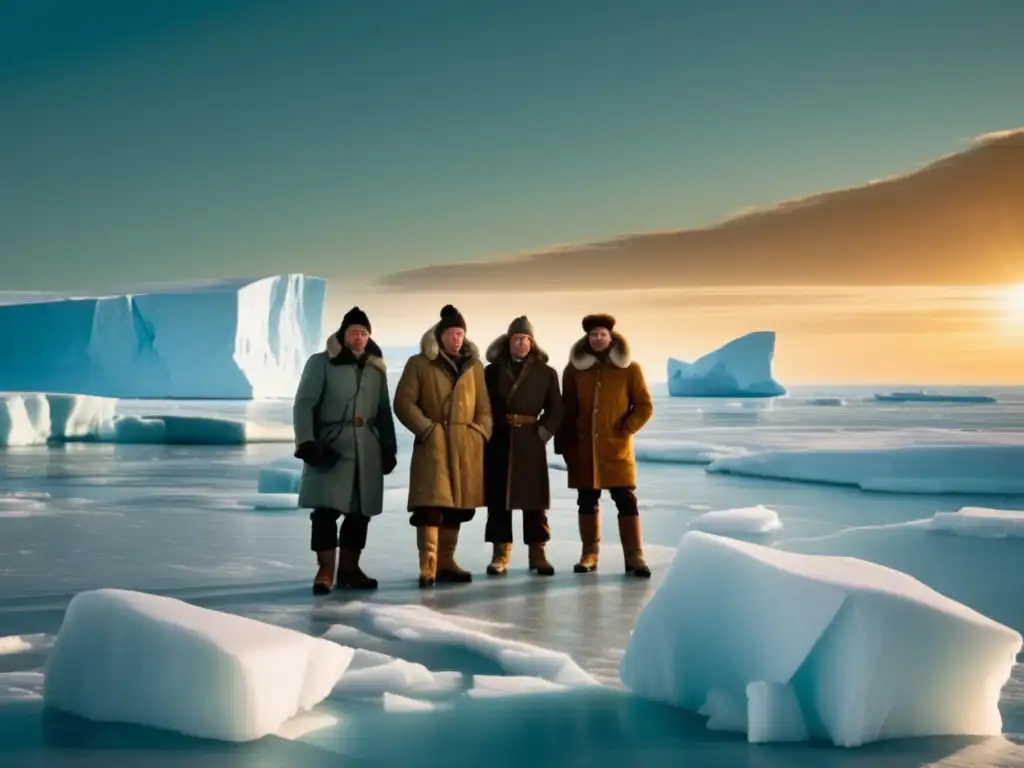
(606, 402)
(517, 456)
(337, 387)
(443, 402)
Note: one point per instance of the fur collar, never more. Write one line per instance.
(581, 358)
(498, 350)
(374, 354)
(430, 347)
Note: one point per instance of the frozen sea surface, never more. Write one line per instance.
(180, 520)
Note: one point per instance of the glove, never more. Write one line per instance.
(388, 462)
(309, 452)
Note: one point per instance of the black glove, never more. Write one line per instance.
(388, 462)
(309, 452)
(316, 455)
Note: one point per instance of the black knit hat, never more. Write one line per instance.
(450, 318)
(521, 324)
(354, 316)
(590, 322)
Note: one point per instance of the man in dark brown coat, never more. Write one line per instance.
(527, 409)
(606, 402)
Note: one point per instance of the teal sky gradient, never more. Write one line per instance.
(201, 138)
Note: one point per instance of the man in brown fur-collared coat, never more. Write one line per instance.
(527, 409)
(606, 402)
(442, 399)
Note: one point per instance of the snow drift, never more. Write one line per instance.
(741, 368)
(785, 646)
(132, 657)
(231, 339)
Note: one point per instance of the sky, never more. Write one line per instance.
(147, 141)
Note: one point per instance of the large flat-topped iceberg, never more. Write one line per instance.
(137, 658)
(228, 339)
(741, 368)
(786, 646)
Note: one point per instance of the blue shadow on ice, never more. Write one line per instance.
(595, 728)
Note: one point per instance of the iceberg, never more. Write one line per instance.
(132, 657)
(229, 339)
(911, 469)
(741, 368)
(744, 521)
(980, 522)
(785, 646)
(920, 396)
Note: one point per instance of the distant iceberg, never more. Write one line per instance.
(920, 396)
(229, 339)
(741, 368)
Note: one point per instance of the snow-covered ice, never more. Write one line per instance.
(496, 686)
(28, 419)
(867, 652)
(745, 521)
(236, 338)
(132, 657)
(741, 368)
(929, 469)
(981, 522)
(419, 624)
(36, 418)
(397, 676)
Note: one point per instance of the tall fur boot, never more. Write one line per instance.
(590, 536)
(323, 582)
(539, 560)
(350, 575)
(447, 569)
(632, 547)
(500, 559)
(426, 543)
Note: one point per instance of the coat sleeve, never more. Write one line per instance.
(483, 416)
(570, 407)
(386, 422)
(552, 419)
(310, 388)
(641, 409)
(407, 400)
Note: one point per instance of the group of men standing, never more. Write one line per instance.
(480, 437)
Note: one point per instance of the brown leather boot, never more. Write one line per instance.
(447, 569)
(323, 582)
(632, 547)
(350, 575)
(539, 560)
(426, 543)
(499, 560)
(590, 536)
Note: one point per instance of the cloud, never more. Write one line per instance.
(920, 228)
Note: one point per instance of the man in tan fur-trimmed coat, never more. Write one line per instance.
(606, 402)
(442, 399)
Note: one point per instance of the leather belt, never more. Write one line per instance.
(519, 420)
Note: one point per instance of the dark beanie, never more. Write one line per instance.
(590, 322)
(354, 316)
(450, 318)
(521, 324)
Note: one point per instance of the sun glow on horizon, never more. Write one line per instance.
(1013, 303)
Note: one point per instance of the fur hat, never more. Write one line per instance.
(521, 324)
(590, 322)
(450, 318)
(354, 316)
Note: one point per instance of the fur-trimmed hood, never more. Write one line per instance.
(374, 354)
(498, 350)
(581, 358)
(430, 347)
